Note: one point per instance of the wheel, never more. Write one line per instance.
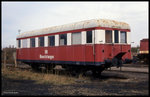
(119, 63)
(35, 67)
(50, 68)
(96, 74)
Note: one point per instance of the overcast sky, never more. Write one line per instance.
(29, 16)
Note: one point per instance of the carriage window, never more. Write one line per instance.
(19, 43)
(32, 42)
(24, 43)
(89, 37)
(116, 36)
(108, 36)
(63, 39)
(51, 40)
(41, 41)
(123, 37)
(76, 38)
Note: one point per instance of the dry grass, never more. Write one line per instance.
(40, 78)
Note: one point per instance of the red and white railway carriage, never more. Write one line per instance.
(95, 42)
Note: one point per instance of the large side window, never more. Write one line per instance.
(89, 37)
(63, 39)
(41, 41)
(123, 38)
(24, 43)
(51, 40)
(32, 42)
(108, 36)
(76, 38)
(116, 36)
(19, 43)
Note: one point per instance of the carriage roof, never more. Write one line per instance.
(77, 25)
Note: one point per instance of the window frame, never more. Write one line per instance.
(24, 43)
(125, 37)
(49, 40)
(72, 38)
(65, 39)
(31, 43)
(40, 42)
(19, 43)
(111, 37)
(116, 36)
(91, 38)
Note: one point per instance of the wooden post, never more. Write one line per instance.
(14, 55)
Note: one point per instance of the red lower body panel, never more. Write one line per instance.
(75, 53)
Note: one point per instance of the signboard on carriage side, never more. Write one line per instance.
(46, 56)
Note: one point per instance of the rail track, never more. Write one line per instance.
(61, 71)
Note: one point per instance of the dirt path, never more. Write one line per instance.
(132, 82)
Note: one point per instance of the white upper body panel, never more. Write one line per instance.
(77, 25)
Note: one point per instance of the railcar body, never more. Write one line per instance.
(144, 47)
(96, 42)
(143, 54)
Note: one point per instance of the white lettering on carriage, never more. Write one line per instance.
(47, 57)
